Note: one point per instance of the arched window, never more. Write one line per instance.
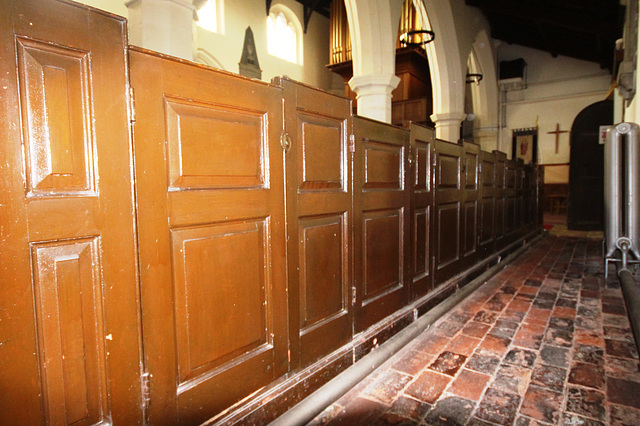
(284, 34)
(210, 15)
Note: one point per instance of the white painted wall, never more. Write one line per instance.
(224, 50)
(557, 90)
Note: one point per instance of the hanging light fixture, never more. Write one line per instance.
(474, 78)
(409, 38)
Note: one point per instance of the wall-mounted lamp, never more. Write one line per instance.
(474, 78)
(415, 38)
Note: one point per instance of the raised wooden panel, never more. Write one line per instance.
(500, 217)
(422, 182)
(220, 300)
(383, 252)
(448, 234)
(470, 227)
(383, 166)
(55, 98)
(510, 214)
(471, 171)
(449, 173)
(323, 269)
(421, 254)
(68, 300)
(488, 174)
(212, 146)
(510, 177)
(487, 213)
(323, 153)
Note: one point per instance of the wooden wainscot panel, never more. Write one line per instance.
(221, 309)
(486, 243)
(203, 148)
(449, 212)
(69, 295)
(382, 220)
(55, 95)
(471, 200)
(210, 191)
(421, 179)
(501, 195)
(318, 168)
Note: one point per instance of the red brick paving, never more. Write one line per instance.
(545, 341)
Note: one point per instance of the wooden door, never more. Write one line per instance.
(501, 200)
(449, 209)
(69, 350)
(586, 173)
(381, 220)
(319, 220)
(511, 199)
(211, 224)
(487, 208)
(469, 225)
(421, 179)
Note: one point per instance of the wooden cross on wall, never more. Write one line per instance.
(557, 133)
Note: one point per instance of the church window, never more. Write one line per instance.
(284, 34)
(210, 15)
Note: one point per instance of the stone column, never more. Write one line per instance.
(373, 26)
(374, 95)
(448, 125)
(165, 26)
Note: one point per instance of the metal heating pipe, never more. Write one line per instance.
(621, 193)
(622, 212)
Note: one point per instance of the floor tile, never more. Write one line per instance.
(428, 386)
(448, 363)
(586, 402)
(450, 411)
(542, 404)
(498, 407)
(469, 384)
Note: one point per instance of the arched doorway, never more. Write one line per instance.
(586, 173)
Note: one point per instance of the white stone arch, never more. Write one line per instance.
(445, 67)
(485, 94)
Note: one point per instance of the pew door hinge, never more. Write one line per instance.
(146, 391)
(132, 105)
(352, 143)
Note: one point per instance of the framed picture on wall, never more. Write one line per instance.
(525, 145)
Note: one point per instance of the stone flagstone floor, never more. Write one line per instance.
(545, 341)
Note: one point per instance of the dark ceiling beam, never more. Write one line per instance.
(555, 16)
(308, 11)
(268, 6)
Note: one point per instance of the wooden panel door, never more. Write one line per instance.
(487, 207)
(501, 200)
(381, 220)
(448, 210)
(319, 220)
(511, 199)
(469, 225)
(69, 333)
(210, 196)
(421, 179)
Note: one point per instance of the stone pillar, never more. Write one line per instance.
(486, 137)
(374, 95)
(373, 26)
(448, 125)
(165, 26)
